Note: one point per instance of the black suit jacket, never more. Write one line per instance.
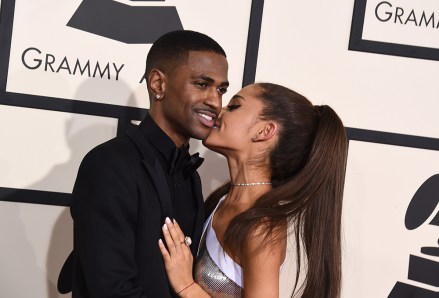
(120, 200)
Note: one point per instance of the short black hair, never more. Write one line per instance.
(171, 49)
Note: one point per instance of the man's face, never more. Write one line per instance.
(193, 96)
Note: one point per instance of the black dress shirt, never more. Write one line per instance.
(172, 160)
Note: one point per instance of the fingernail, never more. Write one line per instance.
(165, 227)
(174, 221)
(167, 220)
(160, 241)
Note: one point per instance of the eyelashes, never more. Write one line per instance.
(232, 107)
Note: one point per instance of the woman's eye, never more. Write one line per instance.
(232, 107)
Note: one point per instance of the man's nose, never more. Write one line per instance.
(214, 100)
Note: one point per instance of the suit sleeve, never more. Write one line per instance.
(105, 216)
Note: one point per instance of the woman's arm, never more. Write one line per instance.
(179, 261)
(261, 264)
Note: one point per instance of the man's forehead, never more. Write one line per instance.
(205, 63)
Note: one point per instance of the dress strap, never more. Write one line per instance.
(208, 220)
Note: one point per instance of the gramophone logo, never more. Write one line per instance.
(137, 24)
(423, 270)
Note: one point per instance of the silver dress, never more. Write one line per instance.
(215, 271)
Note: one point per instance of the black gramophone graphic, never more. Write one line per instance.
(138, 23)
(422, 270)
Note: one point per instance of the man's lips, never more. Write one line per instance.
(207, 118)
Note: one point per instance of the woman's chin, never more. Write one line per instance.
(211, 146)
(208, 144)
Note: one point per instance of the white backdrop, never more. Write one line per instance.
(303, 45)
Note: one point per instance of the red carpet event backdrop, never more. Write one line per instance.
(71, 77)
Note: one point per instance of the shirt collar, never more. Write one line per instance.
(157, 137)
(176, 157)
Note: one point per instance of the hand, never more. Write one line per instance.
(177, 257)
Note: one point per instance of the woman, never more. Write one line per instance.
(287, 161)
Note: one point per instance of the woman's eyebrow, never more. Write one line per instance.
(236, 96)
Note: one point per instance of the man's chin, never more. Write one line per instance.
(202, 136)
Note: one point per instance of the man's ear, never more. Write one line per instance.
(268, 131)
(156, 82)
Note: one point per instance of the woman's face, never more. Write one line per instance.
(237, 124)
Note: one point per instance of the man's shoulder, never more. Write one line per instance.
(114, 150)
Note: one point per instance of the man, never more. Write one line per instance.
(126, 187)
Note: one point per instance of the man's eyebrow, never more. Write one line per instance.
(207, 79)
(226, 83)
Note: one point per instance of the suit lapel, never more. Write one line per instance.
(161, 185)
(157, 174)
(154, 169)
(199, 219)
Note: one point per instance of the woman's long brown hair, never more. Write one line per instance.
(308, 167)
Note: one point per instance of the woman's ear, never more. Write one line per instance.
(156, 82)
(268, 132)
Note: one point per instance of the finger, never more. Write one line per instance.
(186, 249)
(168, 239)
(164, 251)
(177, 228)
(176, 234)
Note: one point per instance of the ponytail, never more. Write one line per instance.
(322, 217)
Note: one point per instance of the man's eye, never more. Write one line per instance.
(202, 84)
(222, 90)
(232, 107)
